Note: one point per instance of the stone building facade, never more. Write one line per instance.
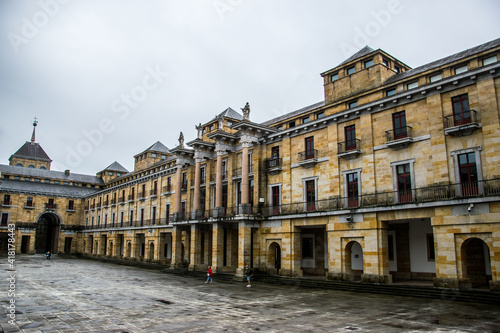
(393, 177)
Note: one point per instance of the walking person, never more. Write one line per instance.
(248, 272)
(47, 255)
(209, 275)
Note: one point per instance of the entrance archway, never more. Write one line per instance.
(274, 258)
(129, 250)
(47, 233)
(476, 262)
(354, 260)
(151, 251)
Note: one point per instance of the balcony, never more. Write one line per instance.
(6, 203)
(106, 204)
(50, 206)
(213, 177)
(237, 172)
(131, 198)
(121, 201)
(399, 138)
(113, 202)
(141, 196)
(92, 207)
(184, 186)
(153, 193)
(70, 209)
(167, 190)
(349, 149)
(391, 198)
(98, 206)
(273, 165)
(29, 205)
(461, 124)
(308, 158)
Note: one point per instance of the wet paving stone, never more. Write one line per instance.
(77, 295)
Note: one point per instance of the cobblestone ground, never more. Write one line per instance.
(77, 295)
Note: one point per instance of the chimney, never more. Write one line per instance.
(66, 172)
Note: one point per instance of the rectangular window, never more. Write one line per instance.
(310, 195)
(390, 92)
(351, 70)
(291, 124)
(5, 219)
(6, 199)
(350, 137)
(431, 254)
(305, 120)
(29, 202)
(334, 77)
(275, 199)
(113, 219)
(167, 214)
(224, 169)
(153, 155)
(320, 115)
(92, 222)
(279, 127)
(275, 152)
(352, 190)
(184, 181)
(309, 143)
(468, 173)
(98, 220)
(142, 217)
(353, 104)
(153, 216)
(461, 69)
(202, 175)
(412, 85)
(489, 60)
(399, 125)
(435, 77)
(131, 217)
(105, 220)
(369, 63)
(385, 62)
(71, 205)
(121, 218)
(404, 183)
(169, 184)
(461, 110)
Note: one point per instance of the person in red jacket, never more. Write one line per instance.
(209, 274)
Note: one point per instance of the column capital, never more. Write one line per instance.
(246, 144)
(220, 151)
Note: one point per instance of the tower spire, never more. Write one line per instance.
(35, 122)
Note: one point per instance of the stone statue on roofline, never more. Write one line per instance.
(181, 140)
(199, 128)
(220, 120)
(246, 112)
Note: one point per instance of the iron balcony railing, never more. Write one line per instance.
(417, 195)
(167, 189)
(273, 163)
(443, 192)
(308, 155)
(213, 177)
(153, 192)
(50, 206)
(461, 119)
(237, 171)
(398, 133)
(349, 145)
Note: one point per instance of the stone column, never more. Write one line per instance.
(197, 209)
(245, 181)
(176, 247)
(218, 211)
(178, 191)
(244, 248)
(194, 252)
(217, 247)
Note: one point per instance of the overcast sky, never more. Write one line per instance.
(108, 78)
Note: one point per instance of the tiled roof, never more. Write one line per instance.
(443, 61)
(34, 188)
(229, 113)
(159, 147)
(115, 166)
(33, 151)
(293, 113)
(49, 174)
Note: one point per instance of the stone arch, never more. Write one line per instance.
(274, 258)
(151, 254)
(475, 262)
(353, 261)
(48, 225)
(128, 254)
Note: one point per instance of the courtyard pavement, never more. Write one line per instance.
(79, 295)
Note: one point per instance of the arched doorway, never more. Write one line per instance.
(354, 261)
(47, 233)
(151, 251)
(274, 258)
(110, 249)
(129, 250)
(476, 262)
